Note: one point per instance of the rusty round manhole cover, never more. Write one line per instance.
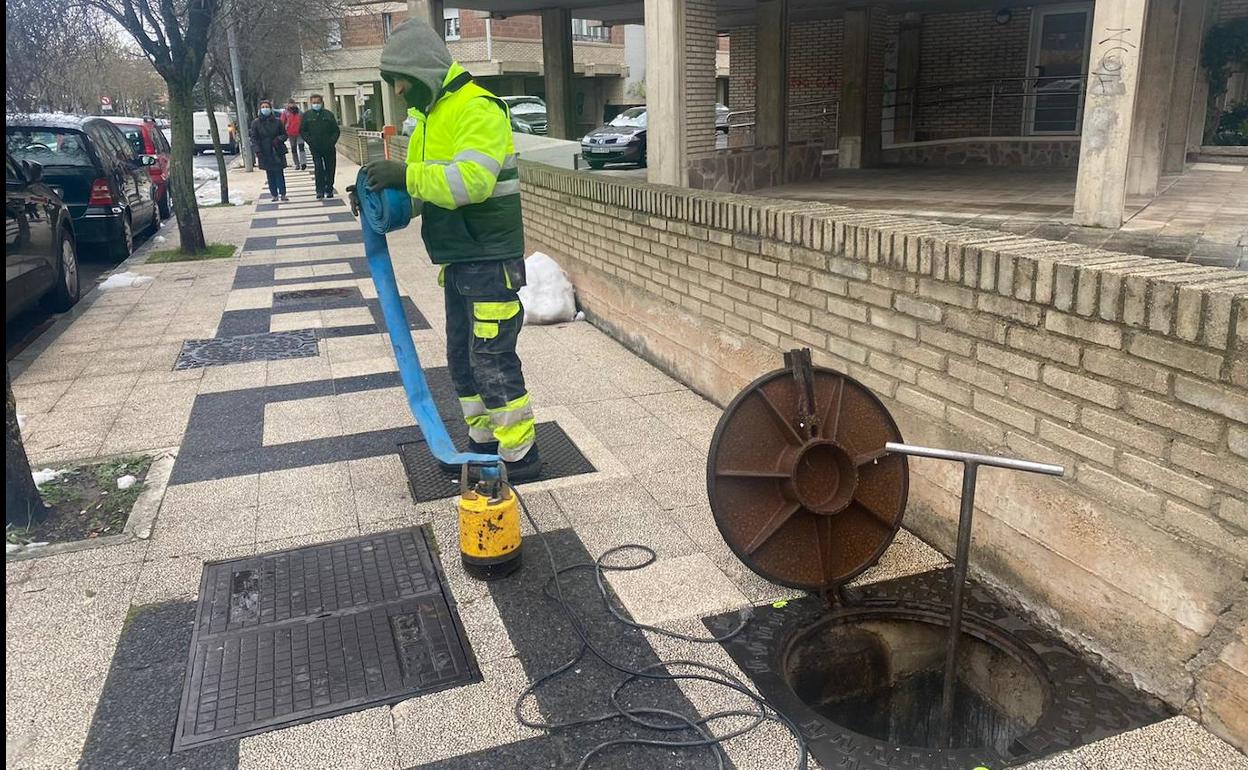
(806, 496)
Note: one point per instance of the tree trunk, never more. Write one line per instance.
(22, 503)
(216, 146)
(181, 169)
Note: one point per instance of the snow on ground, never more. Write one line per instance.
(159, 239)
(44, 476)
(547, 295)
(125, 482)
(210, 195)
(126, 280)
(205, 174)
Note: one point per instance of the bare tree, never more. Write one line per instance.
(22, 503)
(174, 36)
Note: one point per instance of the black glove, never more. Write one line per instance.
(386, 174)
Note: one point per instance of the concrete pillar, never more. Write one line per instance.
(771, 81)
(1152, 104)
(394, 107)
(430, 10)
(557, 63)
(680, 86)
(331, 101)
(1183, 87)
(350, 110)
(859, 132)
(909, 40)
(1113, 74)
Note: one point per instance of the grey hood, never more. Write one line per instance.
(416, 51)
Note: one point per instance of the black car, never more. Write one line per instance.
(529, 111)
(40, 254)
(623, 140)
(90, 165)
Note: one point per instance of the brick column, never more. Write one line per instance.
(1152, 105)
(1109, 107)
(680, 86)
(771, 81)
(557, 63)
(1183, 85)
(859, 134)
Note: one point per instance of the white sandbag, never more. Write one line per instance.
(547, 295)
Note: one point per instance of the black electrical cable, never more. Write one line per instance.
(644, 717)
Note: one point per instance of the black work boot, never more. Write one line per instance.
(527, 468)
(476, 447)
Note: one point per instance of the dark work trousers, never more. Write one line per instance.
(483, 321)
(277, 181)
(323, 166)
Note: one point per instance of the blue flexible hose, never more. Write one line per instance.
(380, 213)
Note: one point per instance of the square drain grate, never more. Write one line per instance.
(560, 457)
(268, 346)
(291, 636)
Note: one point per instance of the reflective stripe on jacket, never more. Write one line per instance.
(462, 163)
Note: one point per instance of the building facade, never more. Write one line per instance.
(504, 54)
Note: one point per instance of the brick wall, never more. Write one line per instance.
(1232, 9)
(970, 46)
(955, 48)
(743, 43)
(1131, 372)
(701, 42)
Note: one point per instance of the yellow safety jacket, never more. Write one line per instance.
(461, 163)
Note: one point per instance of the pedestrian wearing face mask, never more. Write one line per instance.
(319, 129)
(268, 136)
(290, 121)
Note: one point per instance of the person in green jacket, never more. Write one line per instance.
(461, 171)
(319, 129)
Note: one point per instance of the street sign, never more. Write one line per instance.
(106, 103)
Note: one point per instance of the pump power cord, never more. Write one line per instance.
(657, 719)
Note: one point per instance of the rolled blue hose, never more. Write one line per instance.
(380, 213)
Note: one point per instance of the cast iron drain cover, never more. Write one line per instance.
(560, 457)
(281, 297)
(269, 346)
(1080, 705)
(291, 636)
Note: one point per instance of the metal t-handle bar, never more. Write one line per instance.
(995, 461)
(970, 471)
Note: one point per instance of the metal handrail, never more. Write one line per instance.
(1023, 87)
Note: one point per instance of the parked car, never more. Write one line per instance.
(722, 113)
(623, 140)
(145, 136)
(89, 164)
(40, 254)
(202, 132)
(529, 110)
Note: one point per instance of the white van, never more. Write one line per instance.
(225, 125)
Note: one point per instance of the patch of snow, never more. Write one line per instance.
(21, 421)
(125, 482)
(547, 295)
(12, 548)
(580, 316)
(210, 195)
(205, 174)
(44, 476)
(126, 280)
(160, 239)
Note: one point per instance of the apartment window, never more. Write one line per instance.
(590, 31)
(450, 22)
(387, 25)
(333, 34)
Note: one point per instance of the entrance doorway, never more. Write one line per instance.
(1059, 68)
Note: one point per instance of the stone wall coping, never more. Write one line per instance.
(1202, 306)
(985, 140)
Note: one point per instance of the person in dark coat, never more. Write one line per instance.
(268, 136)
(320, 130)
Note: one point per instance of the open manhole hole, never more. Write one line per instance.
(808, 481)
(881, 675)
